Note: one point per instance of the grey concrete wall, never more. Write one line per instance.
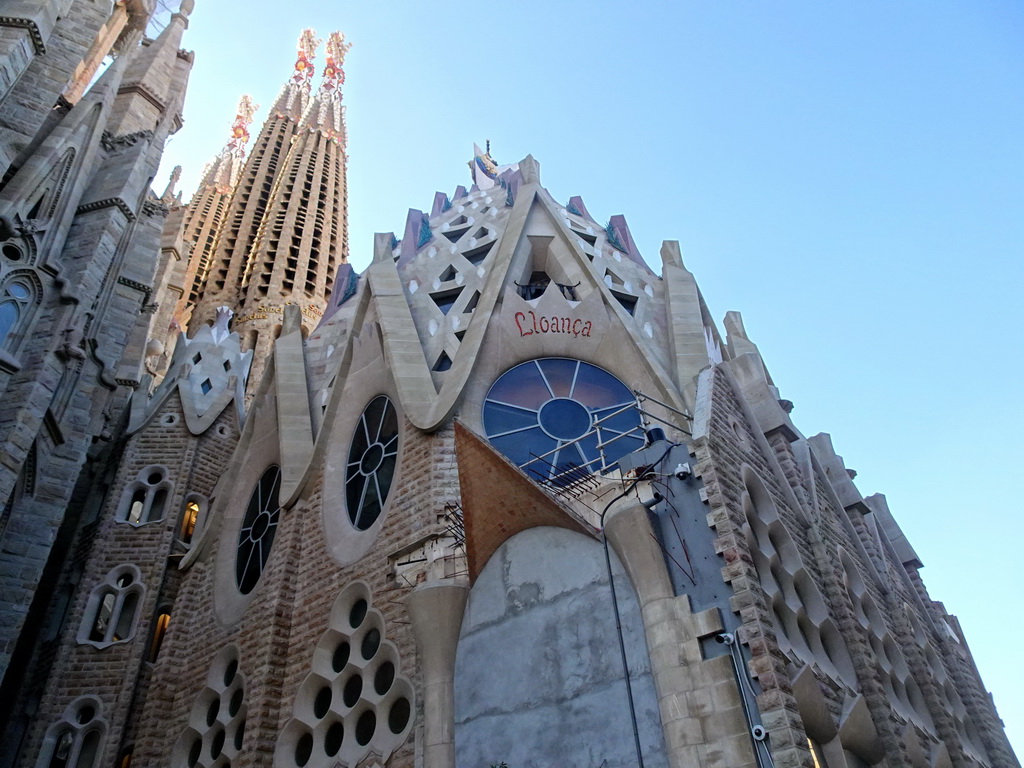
(538, 671)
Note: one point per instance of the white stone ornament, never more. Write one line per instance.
(413, 286)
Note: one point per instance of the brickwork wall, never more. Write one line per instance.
(902, 603)
(290, 606)
(45, 78)
(114, 672)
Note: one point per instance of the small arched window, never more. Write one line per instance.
(76, 740)
(193, 515)
(16, 298)
(112, 611)
(145, 499)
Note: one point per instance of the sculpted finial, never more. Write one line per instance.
(334, 72)
(308, 42)
(240, 128)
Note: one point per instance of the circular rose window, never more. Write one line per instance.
(258, 529)
(371, 462)
(559, 418)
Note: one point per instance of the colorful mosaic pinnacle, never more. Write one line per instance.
(334, 72)
(304, 69)
(240, 128)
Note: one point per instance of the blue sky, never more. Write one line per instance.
(849, 176)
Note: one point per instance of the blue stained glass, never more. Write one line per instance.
(560, 374)
(524, 446)
(506, 418)
(526, 388)
(8, 318)
(549, 406)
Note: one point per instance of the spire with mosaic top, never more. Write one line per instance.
(294, 96)
(223, 172)
(326, 114)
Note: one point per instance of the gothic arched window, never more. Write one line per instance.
(112, 613)
(145, 499)
(76, 741)
(16, 298)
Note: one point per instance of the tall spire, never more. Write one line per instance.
(223, 172)
(205, 215)
(294, 95)
(303, 235)
(326, 113)
(252, 193)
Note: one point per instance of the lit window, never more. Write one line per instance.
(188, 521)
(559, 418)
(159, 630)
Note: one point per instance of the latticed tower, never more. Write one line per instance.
(206, 211)
(252, 195)
(303, 235)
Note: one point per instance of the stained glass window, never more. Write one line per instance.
(258, 529)
(371, 462)
(559, 418)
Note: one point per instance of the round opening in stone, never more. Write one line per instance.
(85, 714)
(370, 643)
(236, 702)
(322, 702)
(365, 727)
(212, 711)
(217, 744)
(358, 613)
(383, 678)
(353, 689)
(340, 657)
(194, 753)
(229, 672)
(333, 739)
(565, 419)
(239, 735)
(398, 717)
(304, 749)
(560, 419)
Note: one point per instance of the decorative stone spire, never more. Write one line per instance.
(168, 194)
(224, 171)
(326, 114)
(303, 235)
(294, 96)
(251, 196)
(205, 214)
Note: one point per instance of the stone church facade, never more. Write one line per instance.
(509, 496)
